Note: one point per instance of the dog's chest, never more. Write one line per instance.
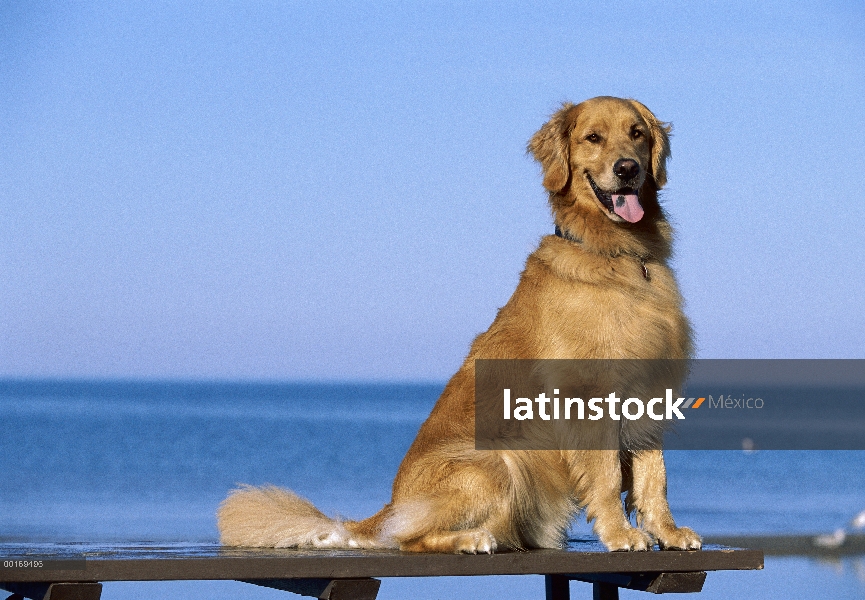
(619, 314)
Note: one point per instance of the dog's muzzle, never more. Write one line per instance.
(624, 202)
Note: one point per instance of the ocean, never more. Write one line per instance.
(150, 461)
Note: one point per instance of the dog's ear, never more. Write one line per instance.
(551, 147)
(660, 132)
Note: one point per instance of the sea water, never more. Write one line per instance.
(150, 461)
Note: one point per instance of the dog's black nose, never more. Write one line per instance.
(626, 169)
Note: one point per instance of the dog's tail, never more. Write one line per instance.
(272, 517)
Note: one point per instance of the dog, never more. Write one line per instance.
(600, 288)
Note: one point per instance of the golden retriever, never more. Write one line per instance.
(600, 288)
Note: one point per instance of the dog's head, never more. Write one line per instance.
(606, 152)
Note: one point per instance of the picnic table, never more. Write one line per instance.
(75, 571)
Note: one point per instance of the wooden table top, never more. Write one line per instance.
(20, 562)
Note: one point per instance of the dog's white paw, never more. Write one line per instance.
(628, 540)
(681, 538)
(478, 541)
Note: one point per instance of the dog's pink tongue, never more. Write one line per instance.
(628, 207)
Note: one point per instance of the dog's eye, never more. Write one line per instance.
(593, 137)
(636, 134)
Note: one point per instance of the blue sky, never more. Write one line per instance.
(315, 190)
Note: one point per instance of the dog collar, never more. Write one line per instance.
(566, 235)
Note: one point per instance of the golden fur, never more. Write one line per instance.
(603, 291)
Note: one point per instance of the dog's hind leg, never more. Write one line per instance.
(453, 520)
(468, 541)
(449, 522)
(462, 508)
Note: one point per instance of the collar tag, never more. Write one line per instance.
(567, 236)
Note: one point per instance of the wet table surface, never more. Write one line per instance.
(43, 562)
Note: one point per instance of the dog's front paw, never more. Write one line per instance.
(478, 541)
(681, 538)
(627, 539)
